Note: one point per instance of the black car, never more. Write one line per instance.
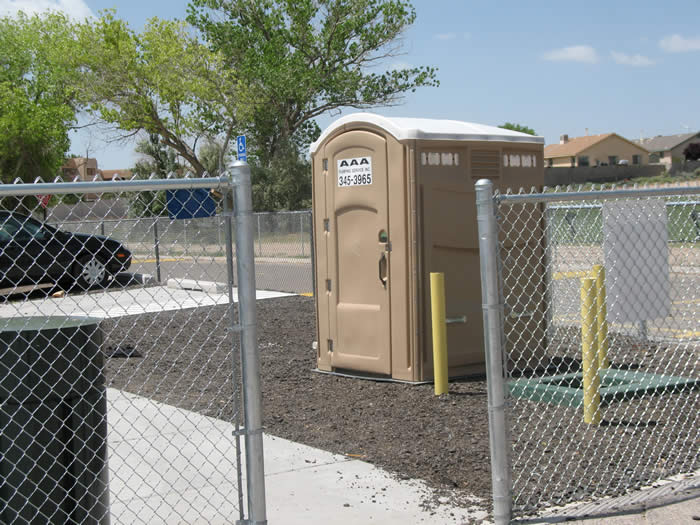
(32, 252)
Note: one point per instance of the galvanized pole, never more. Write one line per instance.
(493, 343)
(156, 246)
(301, 232)
(313, 253)
(250, 359)
(235, 363)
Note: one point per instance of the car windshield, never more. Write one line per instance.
(20, 229)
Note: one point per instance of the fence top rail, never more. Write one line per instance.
(56, 188)
(597, 206)
(283, 212)
(522, 198)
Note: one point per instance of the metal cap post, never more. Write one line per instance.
(250, 359)
(493, 343)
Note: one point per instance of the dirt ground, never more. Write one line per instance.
(185, 360)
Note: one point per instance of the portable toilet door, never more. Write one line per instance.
(356, 230)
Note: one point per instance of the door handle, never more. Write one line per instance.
(382, 271)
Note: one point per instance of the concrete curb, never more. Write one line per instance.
(143, 278)
(202, 286)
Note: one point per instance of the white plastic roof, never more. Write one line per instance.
(429, 129)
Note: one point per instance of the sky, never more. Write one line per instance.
(629, 67)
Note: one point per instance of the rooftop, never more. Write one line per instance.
(574, 145)
(665, 142)
(428, 129)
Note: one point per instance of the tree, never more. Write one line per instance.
(296, 60)
(38, 99)
(213, 157)
(159, 161)
(692, 151)
(283, 184)
(162, 81)
(518, 127)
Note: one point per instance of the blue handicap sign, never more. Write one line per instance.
(190, 204)
(241, 148)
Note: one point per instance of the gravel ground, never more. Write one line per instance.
(185, 361)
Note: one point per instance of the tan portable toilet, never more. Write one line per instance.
(393, 200)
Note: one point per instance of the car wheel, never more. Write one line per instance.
(89, 271)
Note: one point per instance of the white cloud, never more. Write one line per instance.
(679, 44)
(572, 54)
(77, 9)
(631, 60)
(446, 36)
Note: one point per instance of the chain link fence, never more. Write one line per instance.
(592, 302)
(178, 250)
(124, 401)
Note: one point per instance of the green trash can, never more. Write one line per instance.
(53, 422)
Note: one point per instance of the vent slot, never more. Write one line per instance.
(485, 162)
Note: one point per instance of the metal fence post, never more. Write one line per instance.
(156, 247)
(301, 232)
(312, 252)
(227, 217)
(493, 343)
(250, 359)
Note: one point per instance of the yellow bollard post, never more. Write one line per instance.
(589, 344)
(437, 305)
(598, 273)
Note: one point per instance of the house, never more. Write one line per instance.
(83, 168)
(86, 170)
(668, 149)
(594, 150)
(116, 174)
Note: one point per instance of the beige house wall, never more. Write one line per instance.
(560, 162)
(85, 168)
(617, 147)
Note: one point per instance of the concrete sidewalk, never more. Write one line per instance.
(119, 303)
(685, 512)
(169, 465)
(676, 501)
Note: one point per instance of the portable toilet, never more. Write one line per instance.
(393, 200)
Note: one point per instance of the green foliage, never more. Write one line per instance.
(518, 127)
(160, 161)
(296, 60)
(38, 99)
(213, 157)
(162, 80)
(284, 183)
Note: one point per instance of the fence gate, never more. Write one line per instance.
(124, 399)
(594, 410)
